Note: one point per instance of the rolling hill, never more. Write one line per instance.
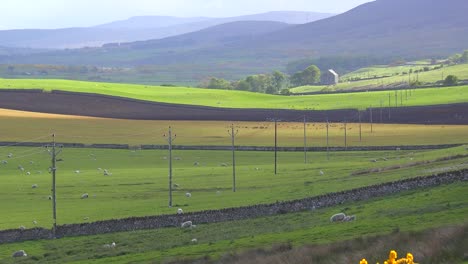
(137, 29)
(398, 28)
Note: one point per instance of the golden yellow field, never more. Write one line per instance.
(29, 126)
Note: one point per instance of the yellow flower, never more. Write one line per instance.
(409, 258)
(363, 261)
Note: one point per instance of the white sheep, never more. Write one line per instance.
(19, 253)
(34, 186)
(28, 173)
(20, 168)
(84, 196)
(4, 162)
(224, 164)
(187, 224)
(188, 195)
(180, 211)
(10, 155)
(194, 240)
(35, 222)
(177, 158)
(338, 217)
(22, 228)
(175, 185)
(77, 171)
(107, 173)
(321, 173)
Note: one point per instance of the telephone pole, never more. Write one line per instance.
(328, 154)
(233, 135)
(345, 136)
(276, 145)
(360, 127)
(305, 140)
(170, 140)
(53, 169)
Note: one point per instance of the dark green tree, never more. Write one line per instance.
(464, 57)
(451, 80)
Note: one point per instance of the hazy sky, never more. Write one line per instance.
(69, 13)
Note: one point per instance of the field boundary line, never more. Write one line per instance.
(238, 213)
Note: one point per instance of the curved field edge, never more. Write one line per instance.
(429, 208)
(240, 99)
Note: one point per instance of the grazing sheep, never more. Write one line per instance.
(180, 211)
(349, 218)
(107, 173)
(35, 222)
(84, 196)
(187, 224)
(194, 240)
(373, 160)
(4, 162)
(34, 186)
(398, 149)
(22, 228)
(10, 155)
(188, 195)
(111, 245)
(28, 173)
(257, 169)
(49, 197)
(175, 185)
(86, 218)
(338, 217)
(321, 173)
(20, 168)
(77, 171)
(196, 163)
(20, 253)
(99, 169)
(223, 164)
(177, 158)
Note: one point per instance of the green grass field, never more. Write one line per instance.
(138, 184)
(440, 206)
(239, 99)
(429, 77)
(20, 126)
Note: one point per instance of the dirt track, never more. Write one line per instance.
(59, 102)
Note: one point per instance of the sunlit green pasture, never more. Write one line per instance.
(432, 76)
(138, 185)
(25, 126)
(405, 212)
(239, 99)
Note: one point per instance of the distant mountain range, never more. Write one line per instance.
(137, 29)
(395, 28)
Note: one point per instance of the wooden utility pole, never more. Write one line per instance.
(276, 145)
(305, 139)
(328, 154)
(233, 135)
(169, 141)
(345, 136)
(53, 170)
(360, 127)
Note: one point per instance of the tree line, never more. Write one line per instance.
(273, 83)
